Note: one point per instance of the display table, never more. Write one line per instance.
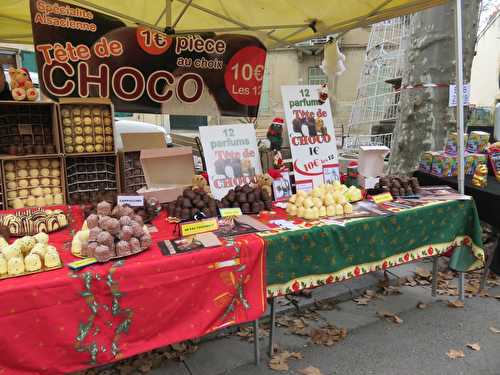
(306, 258)
(487, 201)
(62, 321)
(311, 257)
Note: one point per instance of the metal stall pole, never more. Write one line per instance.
(256, 336)
(434, 275)
(271, 331)
(460, 114)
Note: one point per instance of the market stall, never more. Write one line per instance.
(71, 320)
(150, 253)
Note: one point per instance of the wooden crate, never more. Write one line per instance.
(86, 175)
(20, 180)
(30, 126)
(86, 123)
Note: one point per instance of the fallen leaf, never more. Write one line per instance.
(422, 305)
(457, 304)
(328, 335)
(361, 300)
(278, 361)
(390, 316)
(454, 354)
(310, 371)
(422, 273)
(494, 330)
(391, 291)
(474, 346)
(410, 281)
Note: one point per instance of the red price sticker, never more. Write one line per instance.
(152, 41)
(244, 74)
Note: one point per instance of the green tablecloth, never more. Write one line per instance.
(306, 258)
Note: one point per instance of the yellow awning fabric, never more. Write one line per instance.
(275, 22)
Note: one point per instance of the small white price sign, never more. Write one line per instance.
(131, 200)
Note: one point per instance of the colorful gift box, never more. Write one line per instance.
(425, 164)
(472, 161)
(477, 142)
(451, 146)
(450, 166)
(437, 163)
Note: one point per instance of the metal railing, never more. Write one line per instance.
(352, 143)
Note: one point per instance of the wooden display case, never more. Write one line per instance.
(26, 179)
(86, 126)
(87, 175)
(29, 128)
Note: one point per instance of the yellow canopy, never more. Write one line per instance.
(275, 22)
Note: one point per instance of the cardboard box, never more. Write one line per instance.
(371, 165)
(29, 124)
(477, 142)
(89, 174)
(56, 182)
(425, 164)
(438, 163)
(132, 175)
(78, 129)
(168, 171)
(451, 146)
(472, 161)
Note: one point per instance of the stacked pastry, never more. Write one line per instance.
(33, 183)
(32, 221)
(326, 200)
(87, 129)
(111, 233)
(27, 254)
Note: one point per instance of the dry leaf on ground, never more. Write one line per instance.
(423, 273)
(422, 305)
(474, 346)
(367, 296)
(361, 300)
(454, 354)
(327, 336)
(389, 316)
(391, 291)
(279, 361)
(494, 330)
(410, 281)
(457, 304)
(310, 371)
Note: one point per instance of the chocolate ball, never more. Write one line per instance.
(186, 203)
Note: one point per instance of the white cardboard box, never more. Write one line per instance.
(371, 165)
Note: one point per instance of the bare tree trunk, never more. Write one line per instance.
(425, 118)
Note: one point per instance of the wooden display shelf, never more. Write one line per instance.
(92, 176)
(29, 124)
(80, 103)
(5, 181)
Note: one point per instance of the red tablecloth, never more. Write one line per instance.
(63, 321)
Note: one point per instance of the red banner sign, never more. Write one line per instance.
(84, 53)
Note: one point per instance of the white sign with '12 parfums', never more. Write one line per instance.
(312, 138)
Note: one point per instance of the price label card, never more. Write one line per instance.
(131, 200)
(230, 212)
(381, 198)
(202, 226)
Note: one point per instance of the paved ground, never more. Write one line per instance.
(373, 345)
